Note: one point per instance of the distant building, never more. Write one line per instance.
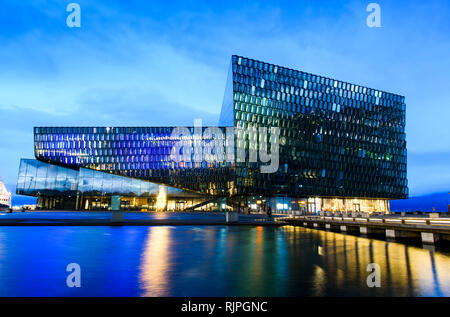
(5, 197)
(341, 146)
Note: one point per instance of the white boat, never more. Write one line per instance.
(5, 197)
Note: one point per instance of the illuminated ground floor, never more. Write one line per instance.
(281, 205)
(317, 205)
(95, 203)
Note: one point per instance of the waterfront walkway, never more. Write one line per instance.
(98, 218)
(429, 230)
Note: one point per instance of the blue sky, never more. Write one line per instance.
(152, 63)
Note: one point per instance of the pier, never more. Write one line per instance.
(428, 230)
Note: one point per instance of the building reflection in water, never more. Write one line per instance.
(405, 270)
(156, 262)
(255, 256)
(286, 261)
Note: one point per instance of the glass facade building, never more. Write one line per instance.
(137, 152)
(64, 188)
(336, 139)
(342, 146)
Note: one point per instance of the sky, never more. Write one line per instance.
(156, 63)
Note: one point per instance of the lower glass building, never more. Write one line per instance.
(64, 188)
(291, 140)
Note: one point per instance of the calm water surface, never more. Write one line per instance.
(213, 261)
